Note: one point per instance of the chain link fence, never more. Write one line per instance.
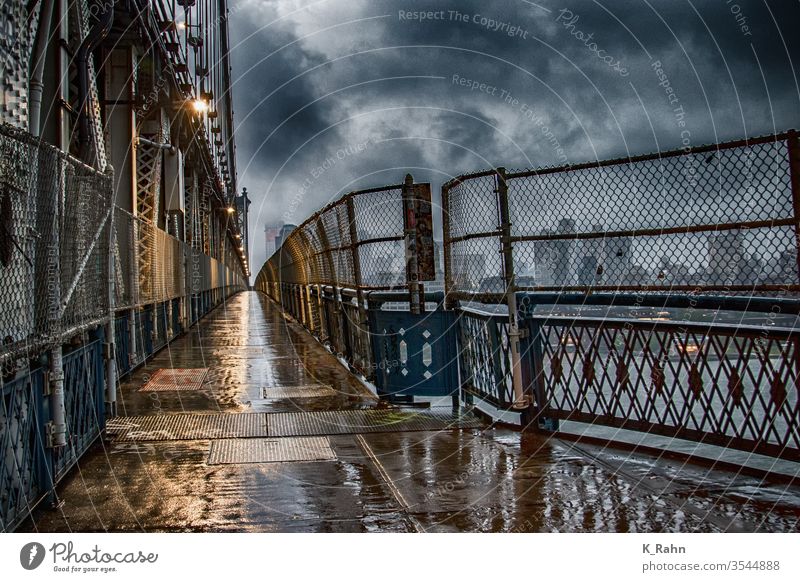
(717, 218)
(355, 242)
(54, 233)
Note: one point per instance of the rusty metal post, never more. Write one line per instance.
(520, 399)
(448, 282)
(410, 235)
(362, 325)
(326, 245)
(793, 145)
(110, 352)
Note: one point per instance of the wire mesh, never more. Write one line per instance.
(355, 242)
(54, 221)
(720, 217)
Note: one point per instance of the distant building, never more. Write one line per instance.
(616, 266)
(468, 269)
(725, 257)
(271, 233)
(562, 254)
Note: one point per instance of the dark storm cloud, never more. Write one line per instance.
(368, 76)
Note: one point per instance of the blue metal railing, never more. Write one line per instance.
(84, 387)
(24, 462)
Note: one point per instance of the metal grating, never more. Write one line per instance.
(234, 451)
(175, 379)
(305, 391)
(364, 421)
(166, 427)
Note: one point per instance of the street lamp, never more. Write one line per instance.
(199, 105)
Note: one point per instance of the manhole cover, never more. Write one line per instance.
(306, 391)
(231, 451)
(172, 379)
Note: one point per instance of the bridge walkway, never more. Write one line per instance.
(264, 430)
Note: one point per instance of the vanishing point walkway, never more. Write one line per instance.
(281, 438)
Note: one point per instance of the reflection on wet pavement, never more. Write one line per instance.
(485, 480)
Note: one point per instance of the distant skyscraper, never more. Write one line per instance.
(562, 252)
(725, 257)
(271, 233)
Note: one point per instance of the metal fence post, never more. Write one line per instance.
(362, 325)
(448, 283)
(57, 397)
(520, 399)
(410, 233)
(793, 145)
(110, 352)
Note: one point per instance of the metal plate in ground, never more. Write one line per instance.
(305, 391)
(282, 450)
(166, 427)
(175, 379)
(364, 421)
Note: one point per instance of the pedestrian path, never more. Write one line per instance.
(262, 429)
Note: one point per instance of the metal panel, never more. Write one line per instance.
(305, 391)
(23, 471)
(187, 427)
(415, 355)
(175, 380)
(83, 389)
(364, 421)
(235, 451)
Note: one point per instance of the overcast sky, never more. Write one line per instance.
(336, 95)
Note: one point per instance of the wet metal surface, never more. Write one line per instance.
(231, 451)
(171, 379)
(310, 391)
(414, 472)
(365, 421)
(172, 427)
(282, 424)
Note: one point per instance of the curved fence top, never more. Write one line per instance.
(354, 242)
(717, 218)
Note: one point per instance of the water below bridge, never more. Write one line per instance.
(266, 431)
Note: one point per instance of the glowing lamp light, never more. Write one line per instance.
(180, 25)
(230, 210)
(200, 106)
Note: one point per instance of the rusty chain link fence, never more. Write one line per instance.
(323, 269)
(355, 242)
(719, 218)
(65, 335)
(659, 293)
(54, 233)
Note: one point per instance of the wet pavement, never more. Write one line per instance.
(403, 479)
